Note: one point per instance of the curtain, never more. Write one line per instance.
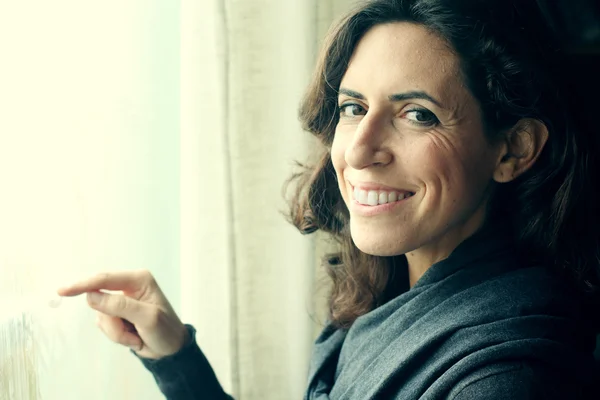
(158, 135)
(247, 273)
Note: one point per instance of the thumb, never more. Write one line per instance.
(117, 305)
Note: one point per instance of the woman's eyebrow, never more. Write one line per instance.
(416, 94)
(351, 93)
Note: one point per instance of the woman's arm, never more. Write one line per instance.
(187, 374)
(142, 318)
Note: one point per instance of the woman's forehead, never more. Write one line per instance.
(403, 56)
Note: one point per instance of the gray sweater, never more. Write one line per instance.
(478, 325)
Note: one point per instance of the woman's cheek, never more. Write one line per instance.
(338, 150)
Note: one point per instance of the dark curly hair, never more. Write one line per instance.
(514, 65)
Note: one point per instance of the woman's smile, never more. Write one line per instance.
(374, 202)
(369, 198)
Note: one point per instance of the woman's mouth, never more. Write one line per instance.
(374, 198)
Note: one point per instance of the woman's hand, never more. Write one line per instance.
(141, 318)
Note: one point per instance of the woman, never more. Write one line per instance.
(456, 176)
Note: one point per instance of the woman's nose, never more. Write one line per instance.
(367, 145)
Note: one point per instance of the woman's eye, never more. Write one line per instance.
(351, 110)
(422, 117)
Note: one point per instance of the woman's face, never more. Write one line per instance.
(413, 165)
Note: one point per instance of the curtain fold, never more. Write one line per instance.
(250, 281)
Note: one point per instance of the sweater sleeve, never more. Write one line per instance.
(187, 374)
(516, 381)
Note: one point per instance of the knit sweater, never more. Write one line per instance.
(477, 325)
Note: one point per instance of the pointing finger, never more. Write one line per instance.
(127, 281)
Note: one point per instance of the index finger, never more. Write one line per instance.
(120, 280)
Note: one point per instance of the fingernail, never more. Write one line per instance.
(62, 289)
(94, 297)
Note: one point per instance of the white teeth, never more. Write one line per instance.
(392, 197)
(362, 197)
(383, 198)
(373, 197)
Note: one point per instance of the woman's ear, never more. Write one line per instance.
(522, 146)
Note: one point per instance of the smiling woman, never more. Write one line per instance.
(457, 176)
(457, 115)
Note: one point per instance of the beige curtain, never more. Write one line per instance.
(156, 134)
(250, 277)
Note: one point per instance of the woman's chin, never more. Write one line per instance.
(378, 245)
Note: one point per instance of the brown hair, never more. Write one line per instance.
(508, 69)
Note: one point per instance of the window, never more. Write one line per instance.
(89, 181)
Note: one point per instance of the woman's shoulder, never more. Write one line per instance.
(521, 304)
(526, 289)
(518, 380)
